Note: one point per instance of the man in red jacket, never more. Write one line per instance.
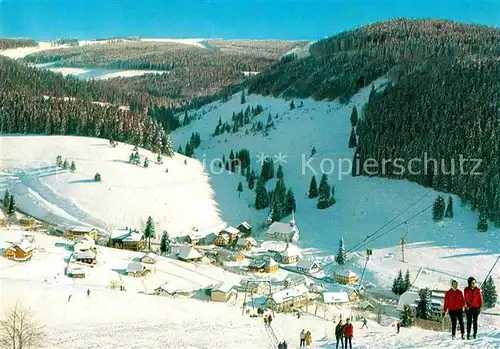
(348, 333)
(454, 305)
(473, 304)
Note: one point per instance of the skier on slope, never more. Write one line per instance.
(454, 304)
(365, 322)
(88, 292)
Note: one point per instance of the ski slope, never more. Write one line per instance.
(127, 195)
(453, 248)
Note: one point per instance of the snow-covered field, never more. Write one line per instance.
(134, 319)
(451, 249)
(21, 52)
(177, 200)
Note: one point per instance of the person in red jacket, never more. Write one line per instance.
(473, 304)
(454, 304)
(348, 333)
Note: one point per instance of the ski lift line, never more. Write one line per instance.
(489, 273)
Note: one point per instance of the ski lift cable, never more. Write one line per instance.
(364, 242)
(489, 273)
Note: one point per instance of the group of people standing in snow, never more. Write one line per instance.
(456, 302)
(305, 339)
(344, 333)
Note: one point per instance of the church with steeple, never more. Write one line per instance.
(287, 232)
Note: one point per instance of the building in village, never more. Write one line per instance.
(222, 292)
(80, 231)
(246, 243)
(189, 254)
(167, 289)
(150, 258)
(308, 266)
(136, 269)
(264, 264)
(194, 237)
(224, 255)
(29, 223)
(75, 272)
(345, 277)
(291, 254)
(226, 236)
(127, 239)
(87, 256)
(283, 231)
(289, 298)
(335, 297)
(84, 243)
(21, 252)
(245, 228)
(412, 298)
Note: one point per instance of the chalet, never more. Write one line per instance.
(231, 233)
(283, 231)
(189, 254)
(22, 251)
(193, 238)
(290, 254)
(345, 277)
(84, 243)
(288, 298)
(246, 243)
(308, 266)
(127, 239)
(267, 265)
(167, 289)
(222, 240)
(79, 231)
(365, 305)
(29, 223)
(271, 266)
(257, 264)
(75, 272)
(335, 297)
(222, 256)
(150, 258)
(88, 257)
(136, 269)
(222, 292)
(245, 228)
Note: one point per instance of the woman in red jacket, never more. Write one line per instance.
(454, 305)
(473, 304)
(348, 333)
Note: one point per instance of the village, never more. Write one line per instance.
(229, 266)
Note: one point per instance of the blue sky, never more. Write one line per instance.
(258, 19)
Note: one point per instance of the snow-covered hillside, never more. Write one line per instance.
(452, 248)
(177, 200)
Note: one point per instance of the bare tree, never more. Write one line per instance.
(19, 330)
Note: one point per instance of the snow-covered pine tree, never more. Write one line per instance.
(482, 223)
(449, 208)
(424, 308)
(354, 116)
(97, 177)
(292, 105)
(261, 198)
(407, 318)
(251, 180)
(72, 168)
(12, 205)
(146, 163)
(290, 201)
(6, 199)
(438, 209)
(65, 165)
(313, 151)
(407, 283)
(490, 295)
(332, 198)
(323, 193)
(164, 243)
(279, 174)
(58, 161)
(353, 142)
(243, 99)
(341, 257)
(267, 170)
(275, 212)
(313, 188)
(240, 188)
(159, 159)
(149, 231)
(398, 286)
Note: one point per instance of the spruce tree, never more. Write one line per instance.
(240, 189)
(146, 163)
(407, 281)
(353, 143)
(279, 174)
(267, 171)
(332, 197)
(6, 199)
(97, 177)
(159, 159)
(313, 188)
(261, 198)
(168, 147)
(407, 316)
(482, 223)
(341, 257)
(292, 105)
(12, 205)
(149, 231)
(164, 243)
(291, 205)
(243, 99)
(438, 209)
(323, 193)
(313, 151)
(65, 165)
(449, 208)
(490, 295)
(398, 286)
(354, 116)
(251, 180)
(58, 161)
(72, 168)
(424, 304)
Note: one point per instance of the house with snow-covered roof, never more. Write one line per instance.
(167, 289)
(149, 258)
(222, 292)
(344, 276)
(226, 236)
(246, 243)
(189, 254)
(245, 228)
(335, 297)
(288, 298)
(81, 230)
(290, 254)
(136, 269)
(308, 266)
(287, 232)
(22, 251)
(87, 256)
(127, 239)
